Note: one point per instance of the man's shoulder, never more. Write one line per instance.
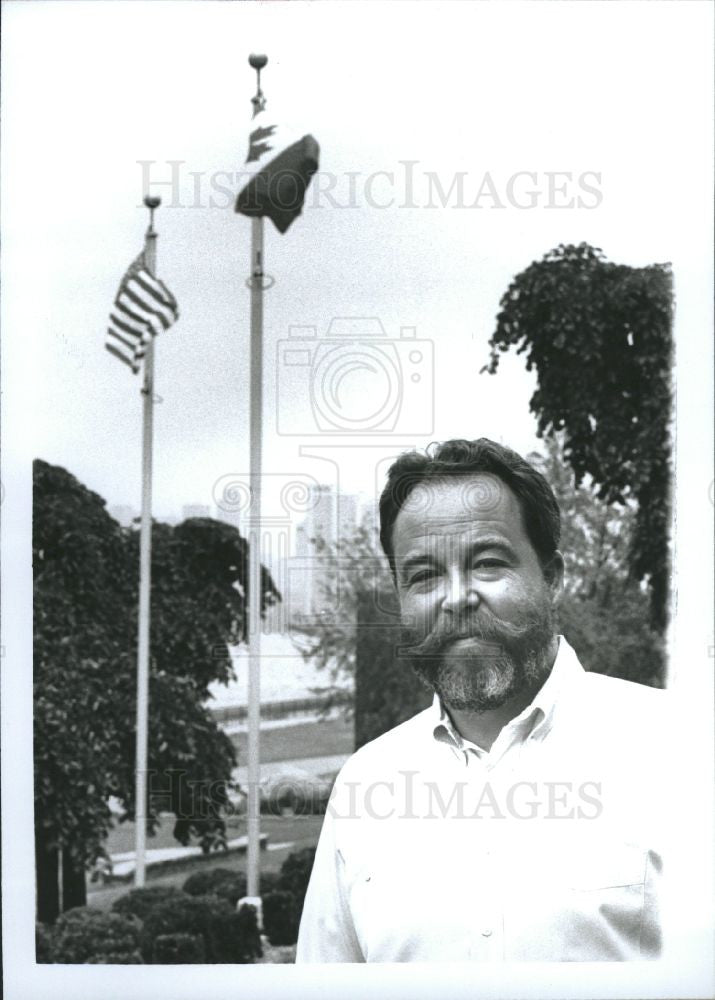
(623, 706)
(396, 748)
(616, 690)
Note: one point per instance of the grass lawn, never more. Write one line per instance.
(294, 831)
(314, 739)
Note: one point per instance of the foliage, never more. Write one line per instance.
(85, 935)
(270, 881)
(222, 882)
(281, 917)
(599, 336)
(352, 570)
(228, 936)
(295, 872)
(82, 660)
(139, 902)
(43, 943)
(603, 611)
(85, 629)
(179, 949)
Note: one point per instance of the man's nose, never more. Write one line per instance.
(461, 592)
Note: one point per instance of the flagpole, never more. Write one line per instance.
(142, 731)
(254, 583)
(255, 588)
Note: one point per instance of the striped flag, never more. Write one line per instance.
(144, 307)
(279, 165)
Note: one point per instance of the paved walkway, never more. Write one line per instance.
(123, 865)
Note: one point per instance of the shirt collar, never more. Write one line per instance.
(536, 719)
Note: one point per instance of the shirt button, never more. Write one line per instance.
(487, 932)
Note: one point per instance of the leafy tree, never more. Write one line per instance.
(85, 629)
(603, 611)
(599, 336)
(353, 572)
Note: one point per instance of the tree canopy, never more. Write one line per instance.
(85, 640)
(603, 611)
(599, 336)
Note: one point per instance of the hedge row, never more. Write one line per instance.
(196, 924)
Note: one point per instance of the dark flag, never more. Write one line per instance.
(279, 167)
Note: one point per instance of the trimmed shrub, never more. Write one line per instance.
(227, 935)
(179, 949)
(221, 882)
(232, 889)
(281, 917)
(139, 902)
(295, 873)
(237, 939)
(117, 958)
(43, 943)
(269, 882)
(85, 935)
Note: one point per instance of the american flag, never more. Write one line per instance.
(144, 307)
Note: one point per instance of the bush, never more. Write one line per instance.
(238, 938)
(139, 902)
(43, 943)
(269, 882)
(117, 958)
(281, 917)
(295, 873)
(179, 949)
(84, 935)
(227, 935)
(221, 882)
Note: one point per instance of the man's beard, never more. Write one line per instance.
(511, 658)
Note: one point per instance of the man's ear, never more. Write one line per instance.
(554, 573)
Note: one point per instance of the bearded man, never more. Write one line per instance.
(516, 818)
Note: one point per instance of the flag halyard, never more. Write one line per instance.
(143, 308)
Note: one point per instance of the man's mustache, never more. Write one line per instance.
(484, 626)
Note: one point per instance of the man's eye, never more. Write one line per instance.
(421, 575)
(489, 563)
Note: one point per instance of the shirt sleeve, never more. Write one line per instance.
(327, 932)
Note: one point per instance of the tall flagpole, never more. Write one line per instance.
(151, 202)
(254, 578)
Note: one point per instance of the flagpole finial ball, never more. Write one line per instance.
(257, 62)
(152, 201)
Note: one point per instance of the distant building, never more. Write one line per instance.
(332, 518)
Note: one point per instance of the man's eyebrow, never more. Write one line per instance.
(480, 544)
(492, 542)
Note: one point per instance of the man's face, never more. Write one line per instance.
(477, 610)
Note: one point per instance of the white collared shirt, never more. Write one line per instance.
(545, 848)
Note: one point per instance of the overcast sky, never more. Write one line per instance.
(616, 96)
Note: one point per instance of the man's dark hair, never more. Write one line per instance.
(460, 458)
